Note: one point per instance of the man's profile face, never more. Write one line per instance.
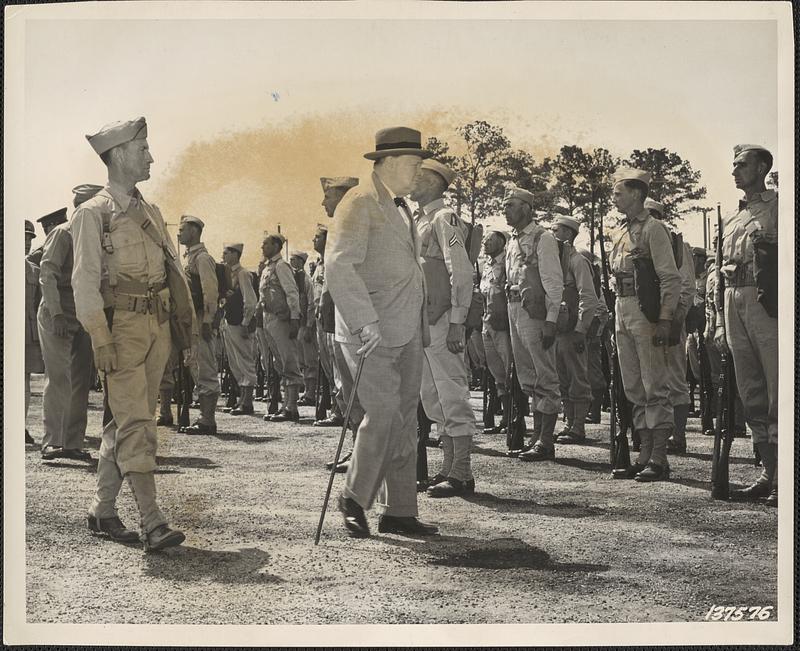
(135, 159)
(561, 233)
(229, 257)
(319, 242)
(624, 197)
(332, 198)
(747, 170)
(402, 171)
(185, 233)
(426, 184)
(517, 211)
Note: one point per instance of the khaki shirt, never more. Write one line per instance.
(757, 216)
(579, 275)
(56, 275)
(242, 278)
(520, 249)
(647, 236)
(318, 283)
(136, 257)
(278, 267)
(32, 297)
(200, 262)
(688, 283)
(441, 237)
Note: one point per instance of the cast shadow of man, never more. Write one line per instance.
(192, 564)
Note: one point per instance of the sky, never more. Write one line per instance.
(245, 115)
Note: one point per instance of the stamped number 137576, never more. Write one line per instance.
(734, 614)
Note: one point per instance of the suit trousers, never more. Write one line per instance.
(444, 391)
(497, 344)
(676, 371)
(384, 462)
(343, 381)
(241, 354)
(643, 367)
(285, 349)
(752, 336)
(573, 370)
(536, 367)
(65, 397)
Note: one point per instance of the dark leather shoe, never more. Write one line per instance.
(515, 453)
(162, 537)
(406, 525)
(243, 410)
(29, 439)
(50, 452)
(751, 493)
(165, 421)
(354, 519)
(422, 485)
(772, 498)
(538, 453)
(306, 401)
(450, 487)
(675, 447)
(113, 528)
(572, 438)
(343, 459)
(627, 473)
(343, 467)
(198, 428)
(77, 455)
(653, 472)
(285, 415)
(331, 421)
(563, 432)
(497, 429)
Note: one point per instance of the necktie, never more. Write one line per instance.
(401, 203)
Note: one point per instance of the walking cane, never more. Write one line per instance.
(350, 401)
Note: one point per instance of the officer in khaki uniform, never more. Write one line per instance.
(535, 289)
(280, 299)
(575, 325)
(642, 247)
(307, 355)
(122, 299)
(48, 223)
(595, 338)
(33, 351)
(448, 275)
(240, 309)
(495, 333)
(750, 268)
(66, 347)
(201, 272)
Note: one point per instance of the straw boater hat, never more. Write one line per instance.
(396, 141)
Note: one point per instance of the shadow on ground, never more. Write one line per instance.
(187, 462)
(186, 563)
(244, 438)
(513, 505)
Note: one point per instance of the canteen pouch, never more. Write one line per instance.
(531, 290)
(474, 319)
(765, 272)
(437, 281)
(234, 307)
(568, 310)
(497, 312)
(647, 286)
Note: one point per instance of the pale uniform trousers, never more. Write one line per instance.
(497, 345)
(475, 351)
(284, 348)
(445, 398)
(241, 354)
(332, 363)
(573, 371)
(33, 351)
(383, 468)
(65, 397)
(130, 439)
(677, 384)
(266, 345)
(204, 368)
(308, 358)
(536, 367)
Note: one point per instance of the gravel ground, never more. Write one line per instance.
(544, 542)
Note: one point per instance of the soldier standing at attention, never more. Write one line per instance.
(496, 337)
(280, 298)
(595, 339)
(448, 274)
(579, 306)
(201, 272)
(240, 309)
(750, 269)
(33, 351)
(48, 222)
(121, 249)
(640, 255)
(536, 285)
(307, 353)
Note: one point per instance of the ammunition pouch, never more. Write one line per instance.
(532, 293)
(234, 307)
(765, 271)
(439, 294)
(196, 289)
(696, 319)
(648, 288)
(496, 311)
(568, 310)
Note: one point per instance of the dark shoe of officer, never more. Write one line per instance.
(571, 437)
(29, 439)
(422, 485)
(332, 421)
(538, 453)
(406, 525)
(113, 528)
(497, 429)
(165, 421)
(526, 448)
(563, 432)
(772, 498)
(751, 493)
(676, 447)
(343, 466)
(354, 519)
(50, 452)
(451, 487)
(76, 455)
(653, 472)
(198, 428)
(162, 537)
(627, 473)
(306, 401)
(342, 460)
(285, 415)
(243, 410)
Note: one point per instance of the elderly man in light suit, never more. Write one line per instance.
(378, 286)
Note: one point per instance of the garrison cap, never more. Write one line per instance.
(440, 168)
(569, 222)
(502, 234)
(300, 254)
(397, 141)
(329, 182)
(513, 192)
(117, 133)
(84, 192)
(30, 231)
(234, 246)
(630, 174)
(650, 204)
(322, 228)
(191, 219)
(56, 217)
(279, 236)
(740, 149)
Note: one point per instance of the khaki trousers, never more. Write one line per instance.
(308, 359)
(752, 336)
(676, 372)
(384, 462)
(204, 370)
(497, 345)
(536, 367)
(65, 397)
(573, 371)
(285, 349)
(241, 354)
(444, 392)
(643, 367)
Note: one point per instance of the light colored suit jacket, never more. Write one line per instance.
(372, 268)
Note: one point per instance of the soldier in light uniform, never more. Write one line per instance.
(579, 304)
(201, 272)
(33, 351)
(307, 354)
(595, 337)
(535, 288)
(123, 300)
(496, 336)
(280, 300)
(448, 274)
(66, 347)
(750, 268)
(240, 309)
(642, 247)
(48, 223)
(696, 319)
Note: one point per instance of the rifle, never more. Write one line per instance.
(260, 380)
(273, 385)
(706, 386)
(423, 430)
(185, 386)
(515, 400)
(726, 393)
(487, 406)
(619, 450)
(322, 394)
